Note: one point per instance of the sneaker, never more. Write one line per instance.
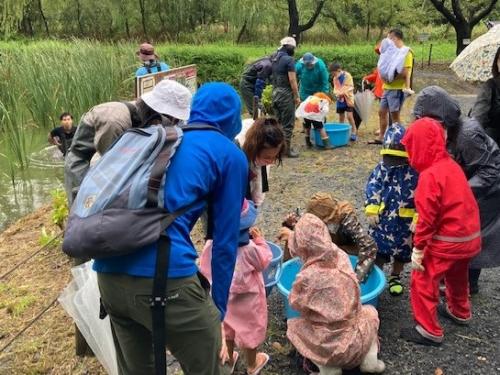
(395, 286)
(354, 137)
(446, 313)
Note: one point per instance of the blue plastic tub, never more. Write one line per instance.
(272, 273)
(338, 133)
(370, 289)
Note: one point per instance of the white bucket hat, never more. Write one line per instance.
(171, 98)
(288, 41)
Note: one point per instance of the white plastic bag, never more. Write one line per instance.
(80, 299)
(313, 108)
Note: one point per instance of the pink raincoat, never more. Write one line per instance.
(246, 316)
(334, 329)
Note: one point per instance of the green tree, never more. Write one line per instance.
(464, 16)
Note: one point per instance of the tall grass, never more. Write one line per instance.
(39, 80)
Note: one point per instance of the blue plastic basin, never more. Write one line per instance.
(272, 273)
(370, 289)
(338, 134)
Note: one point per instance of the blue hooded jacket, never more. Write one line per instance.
(207, 163)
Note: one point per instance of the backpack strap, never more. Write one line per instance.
(199, 126)
(158, 300)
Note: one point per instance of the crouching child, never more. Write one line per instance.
(334, 330)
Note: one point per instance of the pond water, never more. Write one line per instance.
(23, 191)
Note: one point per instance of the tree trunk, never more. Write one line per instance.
(368, 19)
(43, 17)
(79, 17)
(293, 25)
(463, 31)
(242, 31)
(160, 16)
(294, 28)
(27, 25)
(142, 5)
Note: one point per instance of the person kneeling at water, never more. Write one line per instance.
(345, 229)
(334, 330)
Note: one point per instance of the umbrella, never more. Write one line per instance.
(363, 104)
(475, 61)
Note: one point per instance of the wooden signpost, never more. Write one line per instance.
(185, 75)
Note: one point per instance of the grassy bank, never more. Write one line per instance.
(39, 80)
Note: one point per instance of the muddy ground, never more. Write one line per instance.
(47, 347)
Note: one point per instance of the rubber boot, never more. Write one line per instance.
(308, 142)
(290, 151)
(326, 144)
(371, 363)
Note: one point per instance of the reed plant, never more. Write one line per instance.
(41, 79)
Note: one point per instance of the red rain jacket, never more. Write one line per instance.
(448, 216)
(374, 77)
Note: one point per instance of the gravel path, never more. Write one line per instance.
(466, 350)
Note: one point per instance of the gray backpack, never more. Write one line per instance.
(119, 209)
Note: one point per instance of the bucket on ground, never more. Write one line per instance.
(273, 272)
(370, 289)
(338, 134)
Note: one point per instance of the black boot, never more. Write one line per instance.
(290, 151)
(474, 280)
(308, 142)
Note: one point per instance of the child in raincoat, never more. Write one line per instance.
(447, 237)
(345, 229)
(334, 330)
(390, 206)
(245, 323)
(314, 111)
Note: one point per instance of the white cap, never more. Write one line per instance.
(171, 98)
(288, 41)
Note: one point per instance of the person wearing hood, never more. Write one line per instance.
(206, 166)
(334, 330)
(487, 107)
(312, 75)
(285, 94)
(390, 207)
(245, 324)
(479, 157)
(345, 230)
(447, 235)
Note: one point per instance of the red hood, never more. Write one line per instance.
(425, 143)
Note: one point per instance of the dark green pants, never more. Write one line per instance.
(192, 324)
(284, 108)
(247, 94)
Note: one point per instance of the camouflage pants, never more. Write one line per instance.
(284, 108)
